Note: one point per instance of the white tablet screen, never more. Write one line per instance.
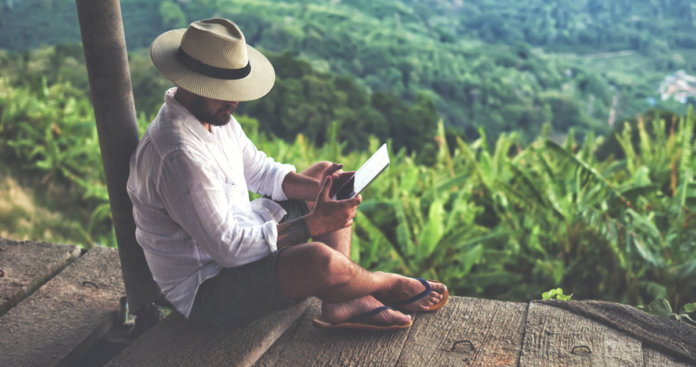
(365, 174)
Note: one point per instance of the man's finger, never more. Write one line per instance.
(354, 201)
(325, 187)
(333, 168)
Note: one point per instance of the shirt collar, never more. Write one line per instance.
(186, 119)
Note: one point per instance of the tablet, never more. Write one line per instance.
(364, 175)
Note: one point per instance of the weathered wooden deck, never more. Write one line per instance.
(56, 303)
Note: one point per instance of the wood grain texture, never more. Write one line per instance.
(556, 337)
(178, 342)
(26, 265)
(468, 331)
(66, 315)
(665, 334)
(654, 358)
(306, 345)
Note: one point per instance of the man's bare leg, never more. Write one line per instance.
(314, 269)
(340, 241)
(341, 302)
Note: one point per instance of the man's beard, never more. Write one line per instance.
(218, 118)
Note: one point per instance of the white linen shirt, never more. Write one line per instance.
(190, 194)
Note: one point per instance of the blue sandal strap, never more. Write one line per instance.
(367, 314)
(418, 296)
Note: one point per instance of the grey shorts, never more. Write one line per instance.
(240, 295)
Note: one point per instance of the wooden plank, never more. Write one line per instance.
(26, 265)
(66, 315)
(177, 342)
(307, 345)
(555, 337)
(665, 334)
(654, 358)
(468, 331)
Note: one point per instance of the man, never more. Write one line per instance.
(219, 258)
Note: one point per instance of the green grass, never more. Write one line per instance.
(23, 216)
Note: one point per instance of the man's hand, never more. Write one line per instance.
(338, 177)
(329, 215)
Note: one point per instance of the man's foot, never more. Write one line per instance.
(412, 295)
(350, 314)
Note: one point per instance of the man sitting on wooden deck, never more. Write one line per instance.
(220, 258)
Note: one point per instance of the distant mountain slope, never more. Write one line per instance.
(477, 59)
(571, 25)
(559, 25)
(27, 24)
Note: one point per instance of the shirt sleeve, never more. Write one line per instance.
(195, 198)
(263, 175)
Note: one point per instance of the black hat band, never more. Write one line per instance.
(212, 71)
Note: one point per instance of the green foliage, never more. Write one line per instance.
(147, 83)
(305, 101)
(491, 216)
(661, 307)
(556, 293)
(505, 222)
(49, 137)
(473, 85)
(24, 215)
(488, 219)
(484, 63)
(172, 15)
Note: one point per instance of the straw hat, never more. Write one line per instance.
(211, 59)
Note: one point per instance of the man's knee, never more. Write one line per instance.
(328, 264)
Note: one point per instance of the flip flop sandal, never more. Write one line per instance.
(359, 322)
(420, 295)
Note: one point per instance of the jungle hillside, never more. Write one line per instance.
(535, 145)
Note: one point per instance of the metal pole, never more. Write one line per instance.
(106, 57)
